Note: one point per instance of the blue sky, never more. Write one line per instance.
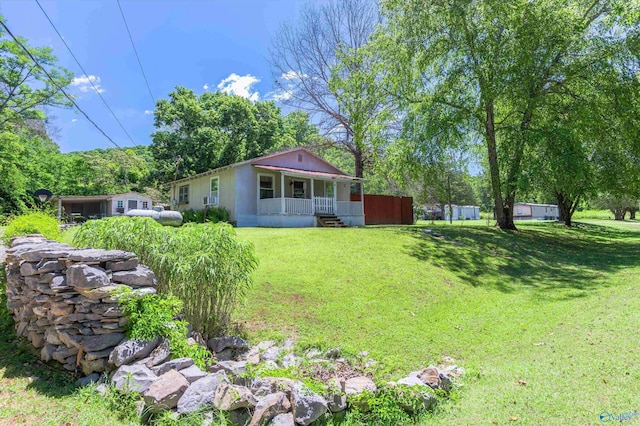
(202, 45)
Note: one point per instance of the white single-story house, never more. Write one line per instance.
(286, 189)
(462, 212)
(530, 211)
(99, 206)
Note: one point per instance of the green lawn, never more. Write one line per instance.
(553, 307)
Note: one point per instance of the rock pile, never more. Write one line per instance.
(61, 299)
(181, 386)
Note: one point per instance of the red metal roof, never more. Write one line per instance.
(308, 173)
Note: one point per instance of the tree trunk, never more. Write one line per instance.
(507, 207)
(619, 213)
(566, 208)
(359, 163)
(504, 217)
(632, 213)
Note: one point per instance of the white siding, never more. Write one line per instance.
(112, 205)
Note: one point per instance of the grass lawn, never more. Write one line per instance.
(555, 308)
(544, 319)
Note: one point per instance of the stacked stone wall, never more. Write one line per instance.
(62, 299)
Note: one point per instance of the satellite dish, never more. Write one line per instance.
(43, 194)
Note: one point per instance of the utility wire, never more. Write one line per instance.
(85, 73)
(136, 52)
(35, 61)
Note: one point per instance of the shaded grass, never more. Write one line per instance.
(554, 307)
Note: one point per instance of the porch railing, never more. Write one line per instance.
(298, 206)
(306, 206)
(324, 205)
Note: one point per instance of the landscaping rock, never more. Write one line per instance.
(283, 420)
(87, 277)
(133, 378)
(433, 378)
(103, 341)
(200, 393)
(122, 265)
(141, 276)
(308, 406)
(159, 355)
(218, 344)
(281, 384)
(290, 360)
(411, 381)
(357, 385)
(271, 354)
(174, 364)
(96, 255)
(131, 350)
(87, 380)
(164, 393)
(232, 368)
(231, 397)
(336, 396)
(192, 373)
(268, 407)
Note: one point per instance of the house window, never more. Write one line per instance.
(266, 187)
(299, 188)
(145, 205)
(120, 204)
(183, 194)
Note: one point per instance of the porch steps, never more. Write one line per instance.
(330, 221)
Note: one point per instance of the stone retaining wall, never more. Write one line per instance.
(61, 300)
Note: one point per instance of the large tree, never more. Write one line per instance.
(486, 67)
(322, 65)
(24, 86)
(215, 129)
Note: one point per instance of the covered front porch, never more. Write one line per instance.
(290, 197)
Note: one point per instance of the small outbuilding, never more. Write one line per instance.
(74, 207)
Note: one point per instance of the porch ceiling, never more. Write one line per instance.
(311, 174)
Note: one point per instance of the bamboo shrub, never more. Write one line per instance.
(205, 266)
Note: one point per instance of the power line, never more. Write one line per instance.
(85, 73)
(136, 52)
(35, 61)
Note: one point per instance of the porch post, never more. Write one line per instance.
(282, 204)
(313, 199)
(59, 209)
(362, 197)
(335, 197)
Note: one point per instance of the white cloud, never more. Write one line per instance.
(84, 83)
(73, 120)
(148, 112)
(206, 86)
(240, 85)
(280, 95)
(292, 75)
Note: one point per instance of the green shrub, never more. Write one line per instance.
(214, 215)
(153, 315)
(31, 223)
(388, 406)
(204, 265)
